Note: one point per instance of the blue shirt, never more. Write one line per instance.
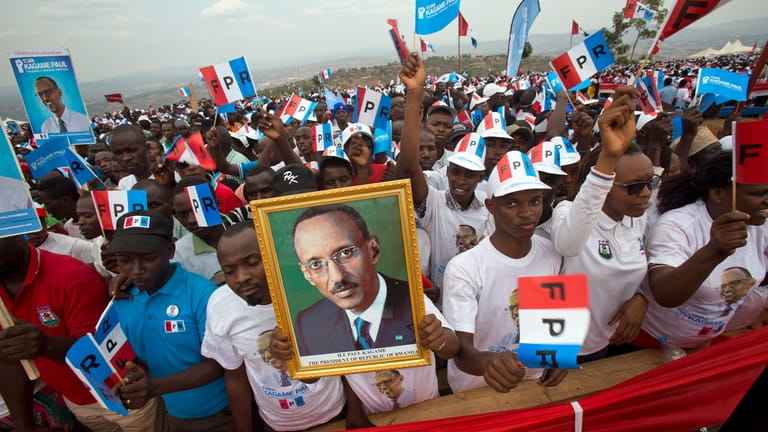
(166, 330)
(668, 94)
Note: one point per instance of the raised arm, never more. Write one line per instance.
(273, 127)
(413, 74)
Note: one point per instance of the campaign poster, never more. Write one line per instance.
(51, 96)
(16, 213)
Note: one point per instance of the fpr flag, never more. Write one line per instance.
(110, 205)
(400, 46)
(322, 136)
(525, 14)
(686, 12)
(648, 99)
(372, 108)
(433, 15)
(203, 205)
(635, 10)
(583, 60)
(229, 81)
(184, 91)
(297, 107)
(192, 151)
(724, 83)
(554, 318)
(750, 152)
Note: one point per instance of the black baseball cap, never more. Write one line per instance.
(459, 130)
(294, 179)
(143, 231)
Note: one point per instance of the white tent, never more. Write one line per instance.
(704, 53)
(733, 48)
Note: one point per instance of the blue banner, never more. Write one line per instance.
(731, 85)
(525, 14)
(48, 156)
(51, 96)
(16, 213)
(382, 140)
(433, 15)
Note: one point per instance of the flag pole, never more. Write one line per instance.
(458, 43)
(570, 43)
(733, 169)
(759, 66)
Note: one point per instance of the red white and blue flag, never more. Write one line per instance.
(203, 205)
(582, 61)
(372, 108)
(397, 39)
(554, 318)
(636, 10)
(322, 136)
(110, 205)
(229, 81)
(648, 99)
(184, 91)
(324, 75)
(298, 108)
(192, 151)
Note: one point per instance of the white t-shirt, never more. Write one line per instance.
(72, 229)
(206, 264)
(418, 384)
(66, 245)
(231, 334)
(611, 253)
(442, 225)
(98, 260)
(677, 235)
(478, 287)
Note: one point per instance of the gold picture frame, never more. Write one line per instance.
(319, 329)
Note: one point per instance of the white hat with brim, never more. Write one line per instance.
(470, 153)
(514, 173)
(546, 158)
(568, 153)
(352, 129)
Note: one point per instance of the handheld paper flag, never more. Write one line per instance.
(110, 205)
(635, 10)
(400, 46)
(184, 91)
(750, 152)
(554, 318)
(229, 81)
(203, 205)
(322, 137)
(721, 82)
(192, 151)
(583, 60)
(372, 108)
(299, 108)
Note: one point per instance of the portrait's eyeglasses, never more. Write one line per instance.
(318, 267)
(734, 283)
(46, 92)
(636, 187)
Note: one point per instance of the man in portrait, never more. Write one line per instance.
(63, 119)
(362, 308)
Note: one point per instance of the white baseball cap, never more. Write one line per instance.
(493, 126)
(568, 153)
(514, 173)
(546, 158)
(352, 129)
(470, 153)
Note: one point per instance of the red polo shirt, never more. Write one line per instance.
(65, 298)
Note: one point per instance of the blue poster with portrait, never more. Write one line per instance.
(51, 96)
(16, 213)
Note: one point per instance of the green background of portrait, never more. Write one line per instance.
(382, 222)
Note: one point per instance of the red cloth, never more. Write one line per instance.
(228, 201)
(377, 173)
(701, 389)
(65, 298)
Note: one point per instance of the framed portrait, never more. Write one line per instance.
(343, 273)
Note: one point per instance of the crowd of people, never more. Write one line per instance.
(502, 189)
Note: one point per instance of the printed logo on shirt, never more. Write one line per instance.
(175, 326)
(604, 249)
(172, 311)
(47, 317)
(291, 403)
(642, 245)
(136, 222)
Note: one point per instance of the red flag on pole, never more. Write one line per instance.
(686, 12)
(114, 97)
(463, 26)
(750, 152)
(400, 45)
(574, 28)
(423, 45)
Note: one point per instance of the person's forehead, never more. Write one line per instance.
(326, 225)
(126, 142)
(44, 83)
(441, 116)
(180, 202)
(242, 244)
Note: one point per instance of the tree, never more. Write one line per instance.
(527, 49)
(621, 26)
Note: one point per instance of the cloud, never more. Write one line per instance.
(227, 8)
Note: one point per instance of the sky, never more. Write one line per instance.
(109, 38)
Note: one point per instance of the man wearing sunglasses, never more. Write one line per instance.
(362, 308)
(63, 119)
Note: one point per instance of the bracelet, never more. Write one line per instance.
(442, 345)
